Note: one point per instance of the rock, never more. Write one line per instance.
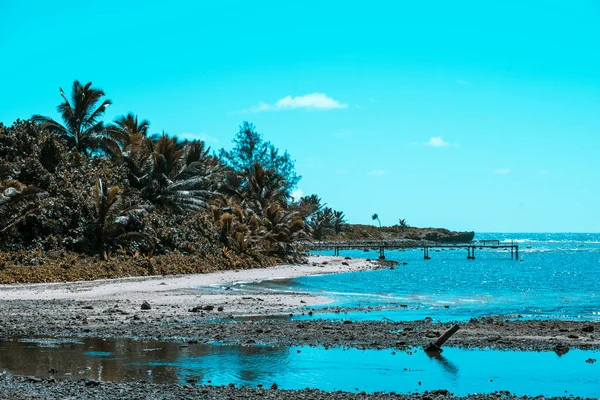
(590, 360)
(588, 329)
(146, 306)
(274, 386)
(573, 337)
(347, 322)
(220, 309)
(92, 383)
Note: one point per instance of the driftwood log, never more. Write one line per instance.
(436, 347)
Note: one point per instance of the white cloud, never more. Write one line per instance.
(377, 172)
(437, 141)
(502, 171)
(198, 136)
(297, 194)
(314, 101)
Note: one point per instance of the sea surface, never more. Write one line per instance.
(557, 276)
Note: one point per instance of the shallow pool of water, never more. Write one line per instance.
(457, 370)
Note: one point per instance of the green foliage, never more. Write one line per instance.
(165, 195)
(375, 217)
(403, 225)
(322, 221)
(250, 150)
(82, 129)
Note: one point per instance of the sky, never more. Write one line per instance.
(468, 115)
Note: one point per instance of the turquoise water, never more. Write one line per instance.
(558, 276)
(458, 370)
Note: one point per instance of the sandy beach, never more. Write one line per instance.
(178, 292)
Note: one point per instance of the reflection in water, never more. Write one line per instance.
(470, 371)
(445, 363)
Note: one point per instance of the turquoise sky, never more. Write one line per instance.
(479, 115)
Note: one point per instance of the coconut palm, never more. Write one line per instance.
(282, 230)
(165, 178)
(338, 221)
(81, 115)
(375, 217)
(130, 132)
(113, 218)
(16, 201)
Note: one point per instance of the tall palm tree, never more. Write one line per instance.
(82, 127)
(375, 217)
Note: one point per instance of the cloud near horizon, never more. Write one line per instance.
(313, 101)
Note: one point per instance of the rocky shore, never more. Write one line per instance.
(29, 388)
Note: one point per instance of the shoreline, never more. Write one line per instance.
(180, 312)
(182, 290)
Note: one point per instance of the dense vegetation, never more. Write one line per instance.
(102, 191)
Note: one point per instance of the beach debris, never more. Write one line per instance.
(146, 306)
(436, 347)
(561, 349)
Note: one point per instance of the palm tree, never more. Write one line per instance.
(130, 132)
(165, 177)
(113, 218)
(82, 127)
(339, 220)
(376, 217)
(15, 201)
(403, 224)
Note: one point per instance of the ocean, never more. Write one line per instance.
(557, 276)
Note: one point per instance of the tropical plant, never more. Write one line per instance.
(82, 129)
(308, 206)
(282, 230)
(114, 219)
(250, 149)
(167, 179)
(15, 201)
(130, 133)
(402, 223)
(338, 220)
(375, 217)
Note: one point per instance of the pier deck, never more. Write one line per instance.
(402, 244)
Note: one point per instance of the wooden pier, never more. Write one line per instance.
(426, 246)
